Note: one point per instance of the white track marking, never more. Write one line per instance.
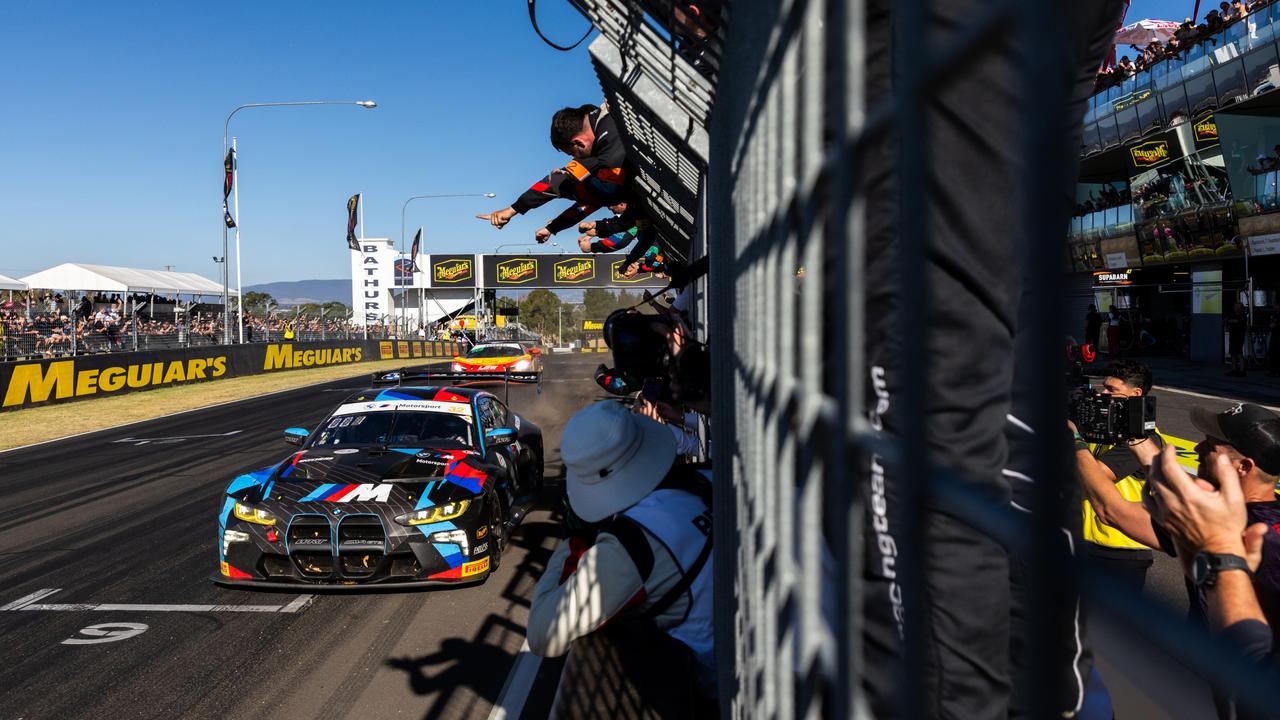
(107, 632)
(299, 604)
(28, 599)
(1179, 391)
(29, 603)
(171, 440)
(515, 691)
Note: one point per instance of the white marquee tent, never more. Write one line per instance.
(8, 283)
(106, 278)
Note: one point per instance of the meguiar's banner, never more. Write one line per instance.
(39, 382)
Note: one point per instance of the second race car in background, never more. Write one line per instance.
(402, 486)
(511, 360)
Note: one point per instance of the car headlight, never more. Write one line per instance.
(232, 536)
(457, 367)
(439, 513)
(257, 516)
(457, 537)
(522, 365)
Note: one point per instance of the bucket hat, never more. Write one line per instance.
(613, 458)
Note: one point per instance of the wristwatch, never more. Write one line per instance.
(1206, 566)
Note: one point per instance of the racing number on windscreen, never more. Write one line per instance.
(406, 429)
(495, 351)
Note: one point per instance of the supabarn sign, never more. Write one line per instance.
(372, 277)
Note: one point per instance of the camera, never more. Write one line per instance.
(1103, 418)
(643, 358)
(1099, 417)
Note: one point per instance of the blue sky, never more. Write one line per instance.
(1167, 9)
(114, 112)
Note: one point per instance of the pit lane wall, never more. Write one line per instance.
(42, 382)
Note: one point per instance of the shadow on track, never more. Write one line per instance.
(481, 663)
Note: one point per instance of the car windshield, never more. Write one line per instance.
(397, 428)
(495, 351)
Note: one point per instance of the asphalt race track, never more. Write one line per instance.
(118, 527)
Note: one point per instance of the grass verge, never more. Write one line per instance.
(39, 424)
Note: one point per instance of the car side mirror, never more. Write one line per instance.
(296, 436)
(500, 436)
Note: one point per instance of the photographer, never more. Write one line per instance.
(656, 353)
(1113, 477)
(638, 558)
(1239, 460)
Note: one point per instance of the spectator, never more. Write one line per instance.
(1273, 346)
(597, 176)
(1186, 32)
(1241, 449)
(1092, 326)
(1113, 333)
(1220, 551)
(1237, 329)
(1241, 445)
(648, 558)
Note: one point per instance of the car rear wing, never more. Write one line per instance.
(426, 374)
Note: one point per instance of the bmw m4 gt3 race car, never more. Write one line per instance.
(402, 486)
(512, 360)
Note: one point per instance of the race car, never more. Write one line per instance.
(404, 486)
(511, 360)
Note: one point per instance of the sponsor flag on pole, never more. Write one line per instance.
(413, 252)
(352, 206)
(229, 167)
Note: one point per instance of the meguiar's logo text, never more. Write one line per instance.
(37, 382)
(1149, 153)
(1207, 129)
(283, 356)
(517, 270)
(575, 271)
(451, 271)
(618, 272)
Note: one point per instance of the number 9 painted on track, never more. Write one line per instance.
(107, 632)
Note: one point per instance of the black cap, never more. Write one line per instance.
(1252, 430)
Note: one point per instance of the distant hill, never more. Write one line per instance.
(306, 291)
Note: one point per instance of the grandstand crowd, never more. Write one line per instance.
(47, 324)
(1188, 35)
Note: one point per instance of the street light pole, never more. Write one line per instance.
(531, 245)
(226, 126)
(405, 207)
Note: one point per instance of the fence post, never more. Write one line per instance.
(74, 323)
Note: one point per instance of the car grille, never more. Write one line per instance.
(362, 543)
(310, 545)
